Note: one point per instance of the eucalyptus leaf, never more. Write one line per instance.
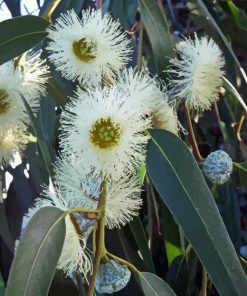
(141, 240)
(183, 188)
(207, 13)
(20, 34)
(158, 31)
(37, 254)
(232, 90)
(46, 150)
(152, 285)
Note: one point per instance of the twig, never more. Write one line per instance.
(192, 137)
(100, 239)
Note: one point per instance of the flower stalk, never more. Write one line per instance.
(192, 137)
(100, 238)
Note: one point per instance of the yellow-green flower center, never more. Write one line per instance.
(85, 50)
(4, 104)
(104, 133)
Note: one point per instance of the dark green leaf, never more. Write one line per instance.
(56, 92)
(1, 286)
(172, 236)
(158, 31)
(142, 243)
(182, 187)
(232, 90)
(45, 148)
(20, 34)
(242, 173)
(210, 17)
(37, 254)
(154, 286)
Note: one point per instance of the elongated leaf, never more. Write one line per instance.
(182, 187)
(142, 243)
(239, 15)
(232, 90)
(242, 173)
(37, 254)
(44, 145)
(19, 34)
(154, 286)
(222, 36)
(158, 32)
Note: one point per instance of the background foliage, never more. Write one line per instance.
(172, 206)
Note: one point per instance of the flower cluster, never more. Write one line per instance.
(104, 127)
(26, 78)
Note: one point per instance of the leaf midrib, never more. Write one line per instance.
(22, 36)
(192, 204)
(39, 250)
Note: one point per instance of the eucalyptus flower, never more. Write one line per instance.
(74, 257)
(150, 95)
(27, 79)
(106, 130)
(12, 140)
(88, 48)
(196, 76)
(123, 195)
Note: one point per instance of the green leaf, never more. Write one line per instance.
(242, 173)
(1, 286)
(183, 188)
(158, 31)
(206, 12)
(142, 243)
(232, 90)
(239, 15)
(47, 153)
(37, 254)
(19, 34)
(57, 92)
(141, 172)
(154, 286)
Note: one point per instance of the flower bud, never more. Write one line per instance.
(218, 167)
(112, 277)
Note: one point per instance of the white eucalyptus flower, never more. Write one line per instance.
(26, 79)
(12, 140)
(74, 257)
(12, 109)
(123, 195)
(123, 201)
(141, 88)
(165, 117)
(87, 48)
(197, 75)
(106, 130)
(151, 95)
(34, 73)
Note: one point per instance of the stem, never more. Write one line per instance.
(99, 4)
(192, 137)
(182, 240)
(49, 11)
(123, 262)
(203, 291)
(83, 210)
(240, 125)
(139, 61)
(100, 239)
